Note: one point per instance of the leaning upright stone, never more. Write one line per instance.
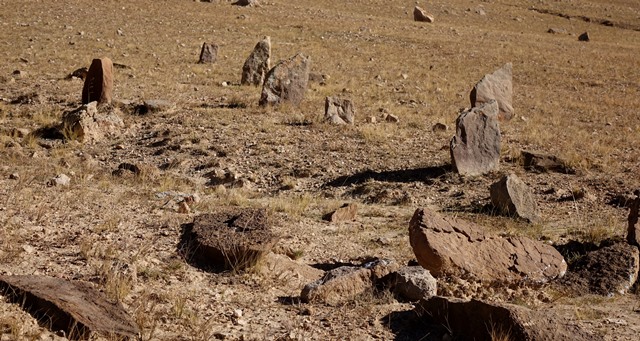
(498, 86)
(633, 231)
(257, 65)
(208, 54)
(98, 86)
(287, 81)
(475, 149)
(513, 197)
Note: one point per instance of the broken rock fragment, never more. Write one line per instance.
(513, 197)
(420, 15)
(455, 247)
(72, 306)
(496, 86)
(90, 123)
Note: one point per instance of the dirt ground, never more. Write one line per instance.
(576, 100)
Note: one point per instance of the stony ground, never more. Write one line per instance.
(576, 100)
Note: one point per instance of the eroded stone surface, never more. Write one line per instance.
(449, 246)
(90, 123)
(287, 81)
(513, 197)
(496, 86)
(257, 65)
(339, 111)
(73, 306)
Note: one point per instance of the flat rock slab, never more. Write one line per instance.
(73, 306)
(541, 162)
(496, 86)
(450, 246)
(229, 239)
(475, 148)
(608, 271)
(478, 320)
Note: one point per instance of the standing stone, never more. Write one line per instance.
(98, 86)
(513, 197)
(420, 15)
(475, 149)
(338, 111)
(287, 81)
(633, 231)
(455, 247)
(498, 86)
(208, 54)
(257, 65)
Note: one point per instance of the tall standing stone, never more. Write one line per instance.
(208, 54)
(287, 81)
(499, 86)
(633, 231)
(257, 65)
(475, 149)
(338, 110)
(98, 86)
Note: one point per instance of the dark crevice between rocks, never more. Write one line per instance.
(407, 325)
(426, 174)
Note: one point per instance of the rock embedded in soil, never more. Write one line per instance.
(348, 212)
(338, 111)
(609, 271)
(338, 286)
(454, 247)
(287, 81)
(486, 321)
(90, 123)
(412, 283)
(511, 196)
(230, 238)
(420, 15)
(496, 86)
(98, 86)
(475, 148)
(584, 37)
(540, 162)
(72, 306)
(633, 228)
(156, 106)
(208, 53)
(244, 3)
(257, 65)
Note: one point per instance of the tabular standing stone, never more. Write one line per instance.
(98, 86)
(208, 54)
(287, 81)
(338, 111)
(449, 246)
(229, 239)
(90, 124)
(478, 320)
(608, 271)
(475, 149)
(75, 307)
(420, 15)
(513, 197)
(498, 86)
(633, 230)
(257, 65)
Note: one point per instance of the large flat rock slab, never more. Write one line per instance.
(486, 321)
(450, 246)
(73, 306)
(231, 238)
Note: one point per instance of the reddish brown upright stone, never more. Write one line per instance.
(98, 86)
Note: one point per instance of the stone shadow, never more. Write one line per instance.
(408, 326)
(425, 174)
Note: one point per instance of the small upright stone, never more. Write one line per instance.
(338, 111)
(420, 15)
(633, 231)
(513, 197)
(257, 65)
(498, 86)
(98, 86)
(208, 54)
(584, 37)
(475, 149)
(287, 81)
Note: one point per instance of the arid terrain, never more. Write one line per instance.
(577, 100)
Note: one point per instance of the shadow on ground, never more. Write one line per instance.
(408, 326)
(426, 174)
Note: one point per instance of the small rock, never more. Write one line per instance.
(60, 180)
(513, 197)
(584, 37)
(420, 15)
(208, 53)
(371, 119)
(348, 212)
(338, 286)
(439, 128)
(338, 111)
(183, 208)
(413, 283)
(90, 123)
(250, 3)
(79, 73)
(14, 176)
(391, 118)
(156, 106)
(557, 31)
